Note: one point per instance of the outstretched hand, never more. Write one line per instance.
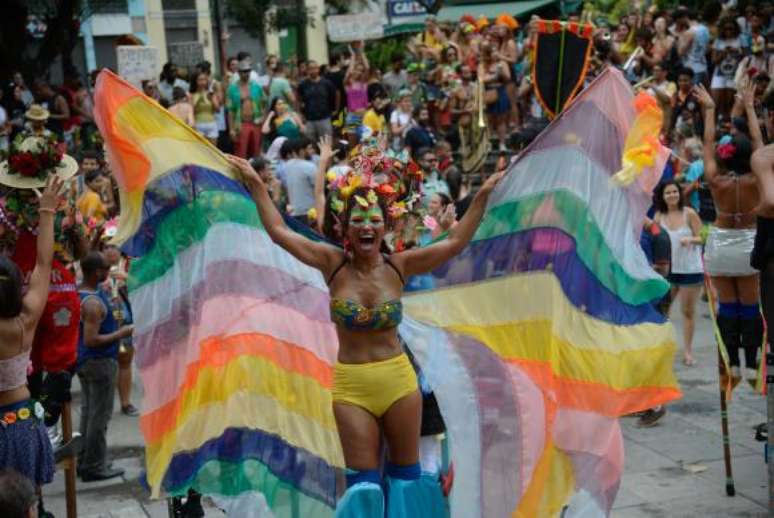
(51, 195)
(326, 148)
(703, 96)
(747, 95)
(250, 177)
(490, 183)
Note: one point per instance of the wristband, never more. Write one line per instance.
(44, 209)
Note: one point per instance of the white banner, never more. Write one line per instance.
(355, 27)
(136, 63)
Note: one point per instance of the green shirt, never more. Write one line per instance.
(234, 104)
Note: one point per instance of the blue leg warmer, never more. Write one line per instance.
(413, 495)
(728, 309)
(364, 497)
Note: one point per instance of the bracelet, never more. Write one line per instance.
(50, 211)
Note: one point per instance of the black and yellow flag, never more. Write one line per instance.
(559, 66)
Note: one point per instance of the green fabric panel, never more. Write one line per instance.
(564, 210)
(217, 477)
(186, 226)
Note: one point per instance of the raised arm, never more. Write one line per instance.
(37, 294)
(326, 152)
(321, 256)
(422, 260)
(762, 163)
(747, 96)
(705, 99)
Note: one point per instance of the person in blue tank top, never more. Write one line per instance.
(97, 367)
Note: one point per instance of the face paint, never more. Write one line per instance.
(359, 216)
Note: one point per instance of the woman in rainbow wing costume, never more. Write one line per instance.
(374, 385)
(534, 339)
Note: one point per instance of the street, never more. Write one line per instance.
(673, 469)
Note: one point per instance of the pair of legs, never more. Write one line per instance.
(500, 122)
(687, 297)
(360, 433)
(98, 381)
(740, 330)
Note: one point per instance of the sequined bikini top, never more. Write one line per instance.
(357, 317)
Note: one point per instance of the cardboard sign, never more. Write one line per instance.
(186, 54)
(355, 27)
(137, 63)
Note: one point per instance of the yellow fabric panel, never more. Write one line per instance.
(534, 296)
(167, 145)
(297, 393)
(551, 485)
(242, 409)
(534, 341)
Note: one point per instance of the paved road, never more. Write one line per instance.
(672, 470)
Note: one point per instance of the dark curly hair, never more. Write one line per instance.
(658, 196)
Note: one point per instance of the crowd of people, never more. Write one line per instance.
(296, 123)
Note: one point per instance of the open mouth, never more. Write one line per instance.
(367, 240)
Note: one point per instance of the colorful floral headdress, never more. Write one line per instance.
(34, 157)
(395, 182)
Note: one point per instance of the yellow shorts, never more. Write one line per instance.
(374, 386)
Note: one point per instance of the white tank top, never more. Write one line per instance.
(685, 258)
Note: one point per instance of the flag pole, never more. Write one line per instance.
(730, 491)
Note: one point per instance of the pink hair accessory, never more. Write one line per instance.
(726, 151)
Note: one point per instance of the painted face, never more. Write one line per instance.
(671, 195)
(366, 228)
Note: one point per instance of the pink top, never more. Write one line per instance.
(13, 371)
(357, 97)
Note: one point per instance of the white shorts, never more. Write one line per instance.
(208, 129)
(727, 252)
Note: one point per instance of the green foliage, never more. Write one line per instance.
(381, 52)
(258, 17)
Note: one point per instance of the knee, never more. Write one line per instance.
(688, 311)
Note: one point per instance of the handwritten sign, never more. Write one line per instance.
(186, 54)
(355, 27)
(137, 63)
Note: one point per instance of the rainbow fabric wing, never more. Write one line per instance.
(233, 340)
(535, 339)
(541, 332)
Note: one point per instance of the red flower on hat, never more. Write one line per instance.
(10, 417)
(24, 164)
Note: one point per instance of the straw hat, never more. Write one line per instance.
(36, 113)
(66, 168)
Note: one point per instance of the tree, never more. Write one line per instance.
(258, 17)
(58, 25)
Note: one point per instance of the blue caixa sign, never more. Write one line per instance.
(405, 8)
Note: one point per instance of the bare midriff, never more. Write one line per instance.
(368, 345)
